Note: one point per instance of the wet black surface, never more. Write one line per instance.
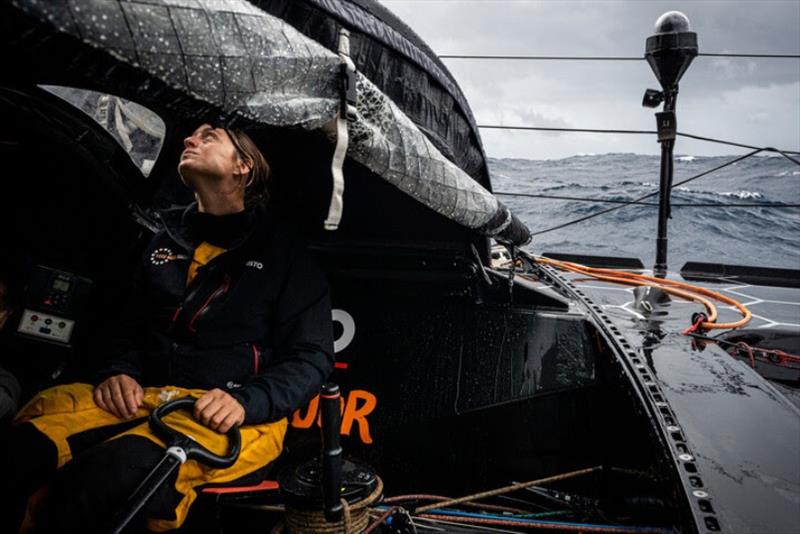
(743, 431)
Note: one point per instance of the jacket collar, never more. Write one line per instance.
(175, 222)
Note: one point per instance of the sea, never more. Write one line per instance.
(767, 235)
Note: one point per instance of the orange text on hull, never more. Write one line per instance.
(355, 407)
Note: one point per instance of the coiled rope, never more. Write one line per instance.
(355, 517)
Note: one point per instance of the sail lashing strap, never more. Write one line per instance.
(347, 110)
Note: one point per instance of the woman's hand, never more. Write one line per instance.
(218, 411)
(121, 395)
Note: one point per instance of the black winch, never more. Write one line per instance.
(328, 494)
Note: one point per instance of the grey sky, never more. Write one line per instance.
(753, 101)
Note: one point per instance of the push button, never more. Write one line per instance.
(44, 330)
(48, 321)
(62, 324)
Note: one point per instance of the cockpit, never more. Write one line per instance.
(74, 162)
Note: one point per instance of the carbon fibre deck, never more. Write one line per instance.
(740, 432)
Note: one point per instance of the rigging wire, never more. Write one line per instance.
(506, 489)
(638, 132)
(772, 56)
(438, 498)
(740, 145)
(546, 58)
(654, 193)
(549, 129)
(606, 58)
(638, 203)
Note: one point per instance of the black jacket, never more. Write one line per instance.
(255, 321)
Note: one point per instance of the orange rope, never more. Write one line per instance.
(681, 289)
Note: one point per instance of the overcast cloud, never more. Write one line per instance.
(753, 101)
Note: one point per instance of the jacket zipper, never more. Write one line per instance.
(222, 289)
(255, 358)
(191, 295)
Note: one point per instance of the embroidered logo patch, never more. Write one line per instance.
(256, 264)
(160, 256)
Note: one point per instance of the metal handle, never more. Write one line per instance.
(194, 450)
(180, 448)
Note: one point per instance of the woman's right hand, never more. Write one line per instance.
(121, 395)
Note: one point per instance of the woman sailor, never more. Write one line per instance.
(228, 307)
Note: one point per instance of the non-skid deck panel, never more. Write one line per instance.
(770, 306)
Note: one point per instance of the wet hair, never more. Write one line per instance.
(257, 180)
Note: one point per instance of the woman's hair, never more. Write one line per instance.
(257, 179)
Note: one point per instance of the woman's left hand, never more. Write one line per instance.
(219, 411)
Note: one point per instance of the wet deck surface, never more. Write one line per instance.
(743, 431)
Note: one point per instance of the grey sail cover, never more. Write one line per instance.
(246, 62)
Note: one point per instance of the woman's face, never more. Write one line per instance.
(209, 154)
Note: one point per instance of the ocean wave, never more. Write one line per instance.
(687, 158)
(630, 188)
(741, 236)
(568, 185)
(743, 195)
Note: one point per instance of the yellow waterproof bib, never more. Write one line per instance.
(63, 411)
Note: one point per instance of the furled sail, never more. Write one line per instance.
(248, 63)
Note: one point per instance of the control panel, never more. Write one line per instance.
(54, 302)
(46, 326)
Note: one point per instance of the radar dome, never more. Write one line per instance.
(671, 22)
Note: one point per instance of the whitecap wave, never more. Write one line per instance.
(743, 195)
(686, 158)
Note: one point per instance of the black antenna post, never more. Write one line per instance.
(669, 52)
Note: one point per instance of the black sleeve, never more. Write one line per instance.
(9, 395)
(125, 353)
(302, 338)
